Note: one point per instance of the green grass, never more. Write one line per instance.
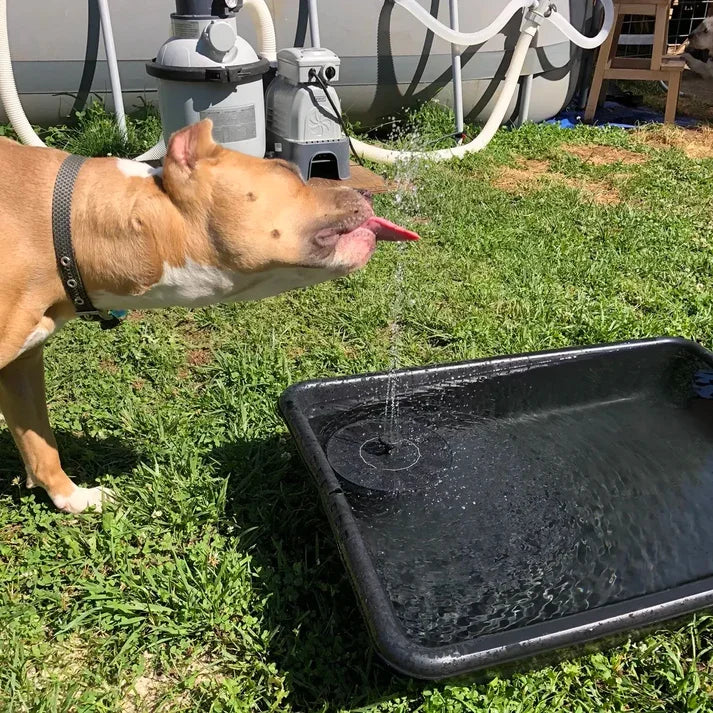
(214, 584)
(94, 132)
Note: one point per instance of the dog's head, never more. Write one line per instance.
(702, 37)
(261, 217)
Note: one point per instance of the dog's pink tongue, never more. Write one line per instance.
(386, 230)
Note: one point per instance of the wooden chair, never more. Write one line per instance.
(661, 66)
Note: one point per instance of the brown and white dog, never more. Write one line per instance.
(699, 50)
(212, 226)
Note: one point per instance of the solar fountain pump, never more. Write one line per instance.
(304, 113)
(207, 71)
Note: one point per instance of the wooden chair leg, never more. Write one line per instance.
(594, 92)
(618, 26)
(674, 86)
(604, 58)
(660, 36)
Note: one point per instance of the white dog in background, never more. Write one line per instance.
(699, 51)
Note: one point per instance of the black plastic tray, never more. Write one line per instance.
(576, 505)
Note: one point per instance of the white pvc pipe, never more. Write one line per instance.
(525, 98)
(266, 28)
(314, 23)
(464, 39)
(381, 155)
(457, 72)
(8, 91)
(587, 43)
(113, 65)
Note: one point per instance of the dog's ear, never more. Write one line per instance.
(189, 149)
(188, 146)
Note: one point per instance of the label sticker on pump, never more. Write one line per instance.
(235, 123)
(186, 29)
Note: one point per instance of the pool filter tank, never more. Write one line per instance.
(303, 113)
(207, 71)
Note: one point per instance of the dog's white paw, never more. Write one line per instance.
(31, 481)
(83, 498)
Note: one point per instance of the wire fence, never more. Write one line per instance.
(637, 33)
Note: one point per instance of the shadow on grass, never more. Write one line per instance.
(320, 640)
(84, 458)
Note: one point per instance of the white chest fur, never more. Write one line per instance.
(195, 285)
(136, 169)
(40, 334)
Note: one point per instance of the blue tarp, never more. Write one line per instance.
(614, 114)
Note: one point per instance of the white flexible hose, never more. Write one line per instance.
(529, 30)
(464, 39)
(381, 155)
(587, 43)
(155, 153)
(8, 91)
(266, 28)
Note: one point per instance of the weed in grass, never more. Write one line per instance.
(94, 132)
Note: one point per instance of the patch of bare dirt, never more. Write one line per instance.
(526, 172)
(64, 662)
(151, 690)
(696, 98)
(421, 220)
(109, 366)
(695, 143)
(600, 192)
(531, 175)
(604, 155)
(199, 357)
(148, 690)
(295, 352)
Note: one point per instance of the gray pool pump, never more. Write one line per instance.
(206, 70)
(302, 126)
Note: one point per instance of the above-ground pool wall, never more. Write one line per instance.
(58, 53)
(389, 60)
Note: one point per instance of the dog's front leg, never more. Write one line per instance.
(702, 69)
(22, 399)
